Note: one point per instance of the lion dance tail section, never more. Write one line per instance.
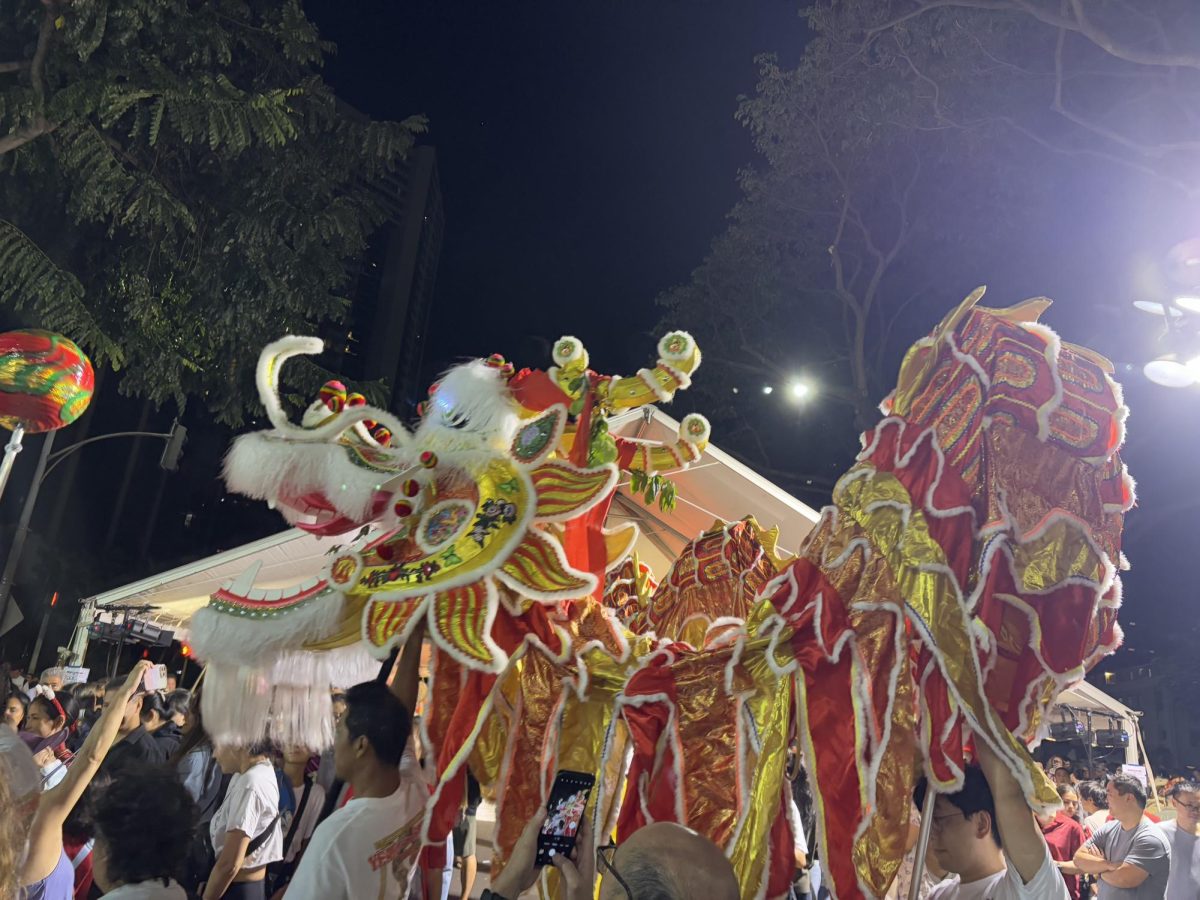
(965, 575)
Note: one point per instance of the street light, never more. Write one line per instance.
(1171, 371)
(1177, 364)
(767, 389)
(800, 390)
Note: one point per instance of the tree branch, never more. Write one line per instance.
(1152, 150)
(37, 65)
(14, 66)
(1078, 22)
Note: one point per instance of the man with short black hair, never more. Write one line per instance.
(966, 838)
(1130, 854)
(1184, 881)
(369, 847)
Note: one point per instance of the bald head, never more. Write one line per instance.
(665, 861)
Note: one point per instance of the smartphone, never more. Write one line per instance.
(155, 678)
(568, 799)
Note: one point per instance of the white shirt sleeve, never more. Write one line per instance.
(1047, 884)
(321, 874)
(799, 838)
(248, 810)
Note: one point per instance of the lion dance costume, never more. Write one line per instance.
(965, 574)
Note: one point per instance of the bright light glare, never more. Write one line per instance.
(1189, 302)
(1170, 372)
(767, 389)
(800, 390)
(1155, 308)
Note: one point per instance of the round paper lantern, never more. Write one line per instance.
(46, 381)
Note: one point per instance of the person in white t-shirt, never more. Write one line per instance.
(1095, 806)
(245, 829)
(986, 837)
(369, 847)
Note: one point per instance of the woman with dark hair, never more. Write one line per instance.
(205, 783)
(173, 710)
(46, 872)
(50, 720)
(245, 831)
(91, 702)
(15, 708)
(143, 829)
(158, 720)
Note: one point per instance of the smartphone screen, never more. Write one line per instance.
(155, 678)
(568, 798)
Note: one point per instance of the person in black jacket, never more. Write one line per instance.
(162, 716)
(135, 745)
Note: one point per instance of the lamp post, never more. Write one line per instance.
(175, 439)
(1178, 362)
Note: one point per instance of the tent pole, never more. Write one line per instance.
(922, 847)
(1137, 723)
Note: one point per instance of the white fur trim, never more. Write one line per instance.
(1051, 351)
(266, 373)
(230, 638)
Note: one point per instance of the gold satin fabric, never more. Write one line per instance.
(881, 506)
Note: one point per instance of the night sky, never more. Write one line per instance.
(588, 154)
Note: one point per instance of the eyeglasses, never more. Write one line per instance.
(604, 858)
(937, 820)
(1193, 808)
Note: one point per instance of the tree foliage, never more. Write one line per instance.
(917, 149)
(179, 185)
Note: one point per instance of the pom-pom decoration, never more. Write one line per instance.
(569, 350)
(695, 429)
(46, 381)
(678, 346)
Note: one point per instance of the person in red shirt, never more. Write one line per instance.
(1064, 835)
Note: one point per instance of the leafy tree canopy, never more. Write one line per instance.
(180, 185)
(918, 149)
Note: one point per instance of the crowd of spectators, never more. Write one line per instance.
(110, 789)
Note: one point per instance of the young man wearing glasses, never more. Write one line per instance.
(966, 839)
(1184, 880)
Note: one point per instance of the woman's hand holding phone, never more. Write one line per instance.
(521, 871)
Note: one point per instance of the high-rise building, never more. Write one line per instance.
(1162, 691)
(384, 335)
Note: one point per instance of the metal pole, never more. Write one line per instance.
(1146, 761)
(37, 645)
(918, 869)
(116, 663)
(18, 544)
(11, 449)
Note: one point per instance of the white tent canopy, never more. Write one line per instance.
(715, 487)
(1088, 701)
